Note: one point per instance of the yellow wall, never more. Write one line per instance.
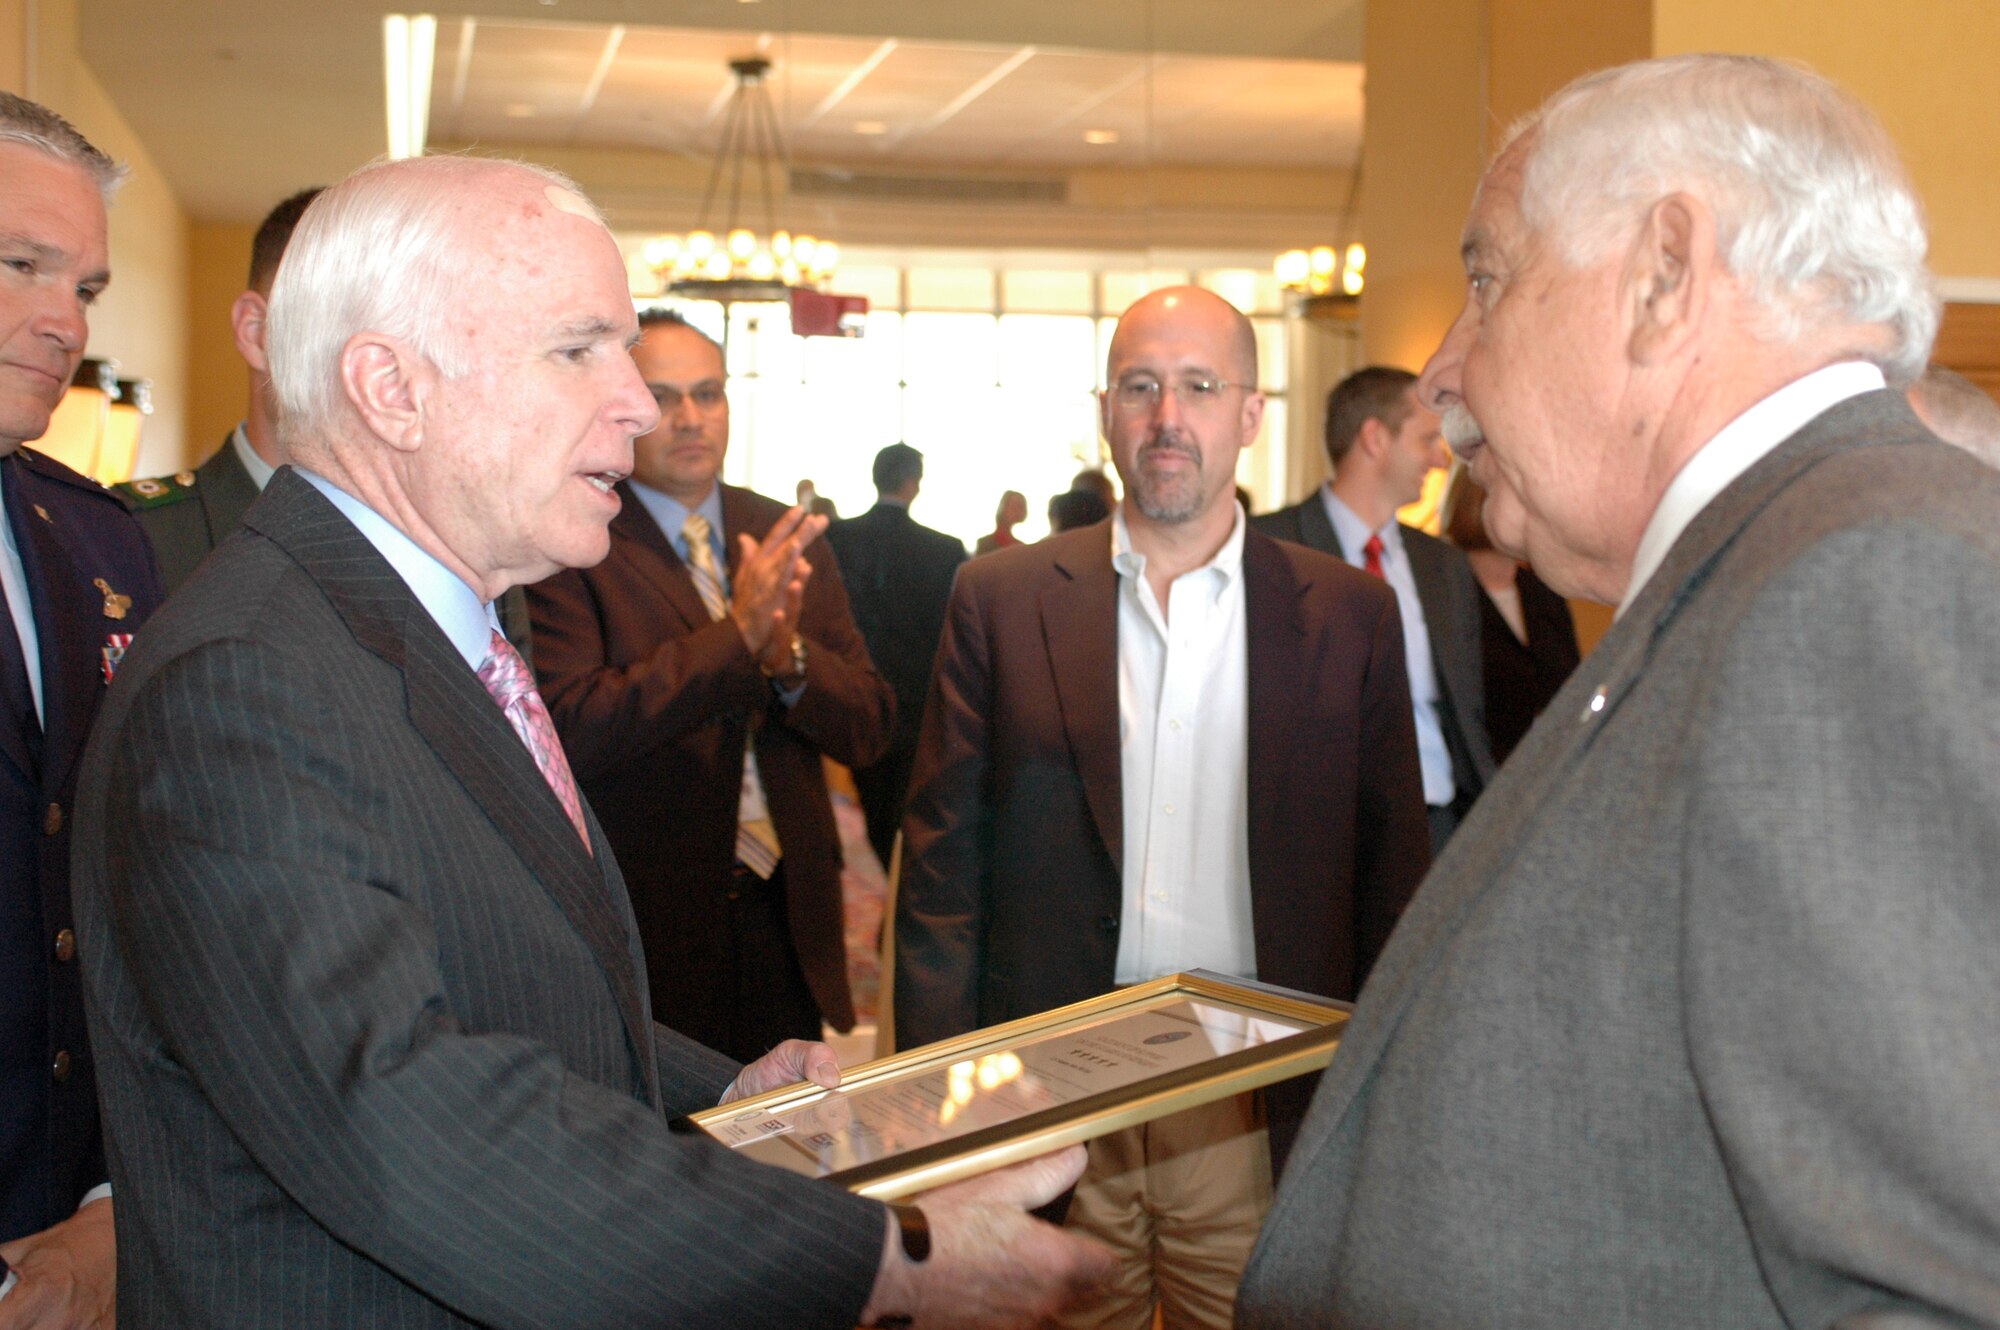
(1423, 146)
(1925, 66)
(141, 321)
(218, 380)
(1445, 80)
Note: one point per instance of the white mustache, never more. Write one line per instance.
(1460, 429)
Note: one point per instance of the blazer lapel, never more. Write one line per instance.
(1493, 832)
(1316, 528)
(1080, 627)
(471, 736)
(662, 569)
(1275, 636)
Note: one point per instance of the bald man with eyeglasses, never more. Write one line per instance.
(1161, 742)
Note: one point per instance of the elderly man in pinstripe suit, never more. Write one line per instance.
(375, 1035)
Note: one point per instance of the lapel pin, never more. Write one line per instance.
(116, 604)
(114, 653)
(43, 513)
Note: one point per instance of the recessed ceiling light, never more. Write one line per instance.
(1100, 137)
(520, 110)
(870, 127)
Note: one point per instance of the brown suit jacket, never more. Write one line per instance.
(1012, 889)
(653, 700)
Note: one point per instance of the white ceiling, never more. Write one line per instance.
(892, 101)
(242, 101)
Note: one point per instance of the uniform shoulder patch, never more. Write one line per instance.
(156, 491)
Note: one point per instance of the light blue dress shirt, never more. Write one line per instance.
(454, 606)
(1439, 786)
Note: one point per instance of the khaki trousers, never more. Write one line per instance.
(1180, 1200)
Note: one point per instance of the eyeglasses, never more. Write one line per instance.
(1141, 393)
(705, 396)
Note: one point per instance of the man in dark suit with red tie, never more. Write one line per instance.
(696, 689)
(76, 578)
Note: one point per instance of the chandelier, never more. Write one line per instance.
(1326, 280)
(732, 262)
(1323, 271)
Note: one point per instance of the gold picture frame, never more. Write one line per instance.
(1028, 1087)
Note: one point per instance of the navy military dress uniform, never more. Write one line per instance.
(91, 581)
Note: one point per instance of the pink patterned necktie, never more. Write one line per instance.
(506, 677)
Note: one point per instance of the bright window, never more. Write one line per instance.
(990, 371)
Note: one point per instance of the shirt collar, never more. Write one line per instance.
(672, 515)
(260, 470)
(1227, 563)
(1737, 447)
(1352, 531)
(454, 606)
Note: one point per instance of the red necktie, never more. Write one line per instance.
(1371, 555)
(506, 677)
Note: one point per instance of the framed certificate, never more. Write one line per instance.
(949, 1110)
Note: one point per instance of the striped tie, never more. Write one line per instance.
(756, 839)
(507, 679)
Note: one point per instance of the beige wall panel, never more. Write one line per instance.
(142, 320)
(1423, 146)
(218, 380)
(1926, 67)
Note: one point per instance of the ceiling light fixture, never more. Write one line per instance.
(1100, 137)
(1326, 281)
(409, 45)
(732, 262)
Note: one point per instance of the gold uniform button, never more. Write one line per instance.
(52, 820)
(65, 944)
(60, 1068)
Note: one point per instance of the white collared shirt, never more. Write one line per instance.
(260, 470)
(453, 605)
(1440, 785)
(1184, 733)
(1737, 447)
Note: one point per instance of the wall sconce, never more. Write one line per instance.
(77, 425)
(118, 455)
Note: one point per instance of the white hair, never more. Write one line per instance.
(1813, 209)
(387, 250)
(33, 125)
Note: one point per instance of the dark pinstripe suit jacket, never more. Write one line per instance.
(375, 1040)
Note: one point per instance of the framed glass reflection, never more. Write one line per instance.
(954, 1109)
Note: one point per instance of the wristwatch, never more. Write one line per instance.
(798, 669)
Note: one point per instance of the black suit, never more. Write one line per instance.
(375, 1042)
(74, 541)
(1450, 596)
(1521, 677)
(899, 575)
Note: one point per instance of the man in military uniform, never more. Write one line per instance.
(76, 579)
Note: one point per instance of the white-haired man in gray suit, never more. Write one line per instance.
(369, 1005)
(1692, 1022)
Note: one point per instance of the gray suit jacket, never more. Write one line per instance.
(1692, 1024)
(373, 1029)
(1450, 597)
